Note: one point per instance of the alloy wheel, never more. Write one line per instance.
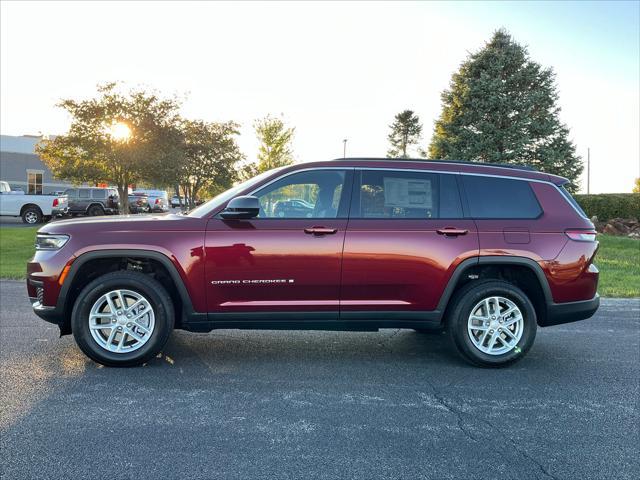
(121, 321)
(495, 325)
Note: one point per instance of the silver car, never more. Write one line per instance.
(158, 200)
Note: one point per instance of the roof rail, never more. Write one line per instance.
(456, 162)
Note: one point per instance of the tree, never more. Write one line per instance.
(210, 157)
(406, 131)
(275, 144)
(501, 107)
(115, 138)
(636, 186)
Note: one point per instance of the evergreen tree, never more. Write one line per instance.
(406, 131)
(501, 107)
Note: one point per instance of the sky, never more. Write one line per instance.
(332, 70)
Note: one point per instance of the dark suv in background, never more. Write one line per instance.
(92, 201)
(486, 252)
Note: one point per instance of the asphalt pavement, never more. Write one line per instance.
(320, 405)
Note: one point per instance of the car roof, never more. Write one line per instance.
(517, 171)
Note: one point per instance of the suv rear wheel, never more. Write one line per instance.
(492, 323)
(95, 210)
(122, 319)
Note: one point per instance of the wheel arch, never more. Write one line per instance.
(113, 260)
(29, 205)
(94, 204)
(532, 281)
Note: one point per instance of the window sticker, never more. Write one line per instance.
(407, 193)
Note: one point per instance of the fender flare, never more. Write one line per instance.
(86, 210)
(63, 296)
(494, 260)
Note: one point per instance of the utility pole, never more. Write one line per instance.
(588, 170)
(344, 148)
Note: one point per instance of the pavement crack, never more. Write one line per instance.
(460, 419)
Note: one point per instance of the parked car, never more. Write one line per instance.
(32, 208)
(92, 201)
(293, 208)
(138, 203)
(485, 252)
(158, 200)
(175, 201)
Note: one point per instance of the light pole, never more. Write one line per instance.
(344, 148)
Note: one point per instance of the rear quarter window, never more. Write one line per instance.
(495, 197)
(99, 194)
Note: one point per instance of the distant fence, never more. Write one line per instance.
(606, 206)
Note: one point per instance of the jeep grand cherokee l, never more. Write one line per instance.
(486, 252)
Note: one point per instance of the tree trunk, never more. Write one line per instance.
(123, 193)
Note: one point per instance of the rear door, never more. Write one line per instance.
(406, 235)
(283, 261)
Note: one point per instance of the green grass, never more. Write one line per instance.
(16, 248)
(618, 260)
(619, 263)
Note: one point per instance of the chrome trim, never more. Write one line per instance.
(360, 168)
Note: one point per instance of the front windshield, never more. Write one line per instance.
(218, 200)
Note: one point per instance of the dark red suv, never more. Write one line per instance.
(488, 253)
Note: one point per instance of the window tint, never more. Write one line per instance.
(405, 194)
(312, 194)
(493, 197)
(71, 192)
(99, 193)
(83, 193)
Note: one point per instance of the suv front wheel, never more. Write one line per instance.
(492, 323)
(122, 319)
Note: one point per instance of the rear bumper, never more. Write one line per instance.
(558, 313)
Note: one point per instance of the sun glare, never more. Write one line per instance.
(120, 131)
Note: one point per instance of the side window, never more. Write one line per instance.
(495, 197)
(99, 194)
(71, 192)
(407, 194)
(83, 193)
(310, 194)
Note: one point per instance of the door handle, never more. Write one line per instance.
(320, 231)
(452, 231)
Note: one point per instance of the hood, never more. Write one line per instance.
(124, 223)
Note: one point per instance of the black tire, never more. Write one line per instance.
(32, 215)
(460, 310)
(140, 283)
(95, 211)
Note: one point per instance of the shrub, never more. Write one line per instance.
(610, 205)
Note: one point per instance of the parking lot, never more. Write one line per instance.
(250, 404)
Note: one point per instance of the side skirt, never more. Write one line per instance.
(354, 321)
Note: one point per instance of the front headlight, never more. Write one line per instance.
(50, 242)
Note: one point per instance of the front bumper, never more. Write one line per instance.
(559, 313)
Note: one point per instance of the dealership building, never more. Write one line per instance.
(23, 169)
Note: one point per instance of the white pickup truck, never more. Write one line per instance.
(32, 208)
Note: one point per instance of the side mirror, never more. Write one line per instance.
(241, 208)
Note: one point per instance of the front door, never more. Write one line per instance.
(288, 259)
(406, 235)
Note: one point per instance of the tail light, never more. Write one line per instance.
(55, 202)
(581, 235)
(157, 201)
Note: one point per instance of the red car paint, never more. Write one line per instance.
(358, 268)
